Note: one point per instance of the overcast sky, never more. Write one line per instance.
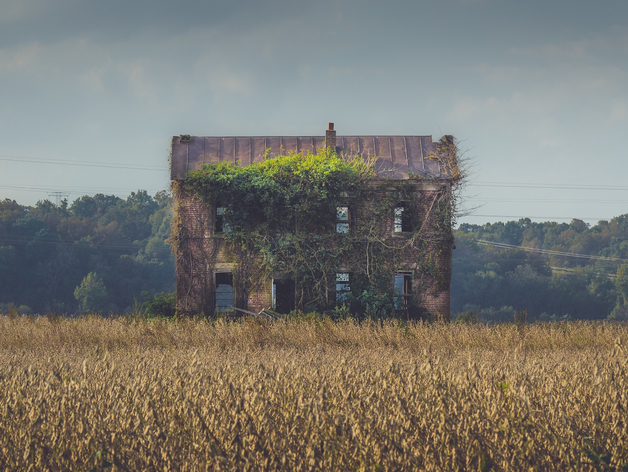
(536, 91)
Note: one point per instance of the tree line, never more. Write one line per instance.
(109, 254)
(96, 254)
(543, 273)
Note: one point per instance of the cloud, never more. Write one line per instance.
(19, 59)
(593, 46)
(14, 11)
(619, 112)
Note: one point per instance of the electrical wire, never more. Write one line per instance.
(546, 218)
(555, 200)
(72, 190)
(111, 165)
(574, 271)
(545, 185)
(67, 244)
(550, 252)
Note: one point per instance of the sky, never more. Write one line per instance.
(536, 93)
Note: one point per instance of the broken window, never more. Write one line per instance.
(403, 290)
(221, 225)
(343, 286)
(342, 219)
(402, 221)
(284, 292)
(224, 291)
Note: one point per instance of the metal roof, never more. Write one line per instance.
(396, 156)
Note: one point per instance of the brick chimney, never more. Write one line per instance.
(330, 138)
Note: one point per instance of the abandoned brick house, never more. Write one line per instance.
(414, 175)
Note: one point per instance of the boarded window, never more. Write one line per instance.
(224, 291)
(342, 219)
(403, 290)
(402, 220)
(343, 286)
(283, 295)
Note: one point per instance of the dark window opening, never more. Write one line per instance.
(342, 219)
(224, 291)
(220, 220)
(402, 220)
(283, 295)
(343, 286)
(403, 290)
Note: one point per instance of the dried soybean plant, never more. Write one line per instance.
(97, 394)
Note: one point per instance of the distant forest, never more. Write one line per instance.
(110, 254)
(575, 271)
(105, 249)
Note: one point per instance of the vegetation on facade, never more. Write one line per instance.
(281, 216)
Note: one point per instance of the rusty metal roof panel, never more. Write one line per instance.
(179, 163)
(196, 153)
(396, 157)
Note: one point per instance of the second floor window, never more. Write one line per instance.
(342, 219)
(402, 222)
(221, 225)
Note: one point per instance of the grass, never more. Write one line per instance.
(118, 394)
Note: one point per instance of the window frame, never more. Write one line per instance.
(402, 219)
(220, 225)
(343, 221)
(342, 287)
(401, 301)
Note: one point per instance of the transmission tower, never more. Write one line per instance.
(59, 196)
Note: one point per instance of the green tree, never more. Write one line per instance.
(621, 285)
(91, 293)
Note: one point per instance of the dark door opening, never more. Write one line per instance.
(283, 295)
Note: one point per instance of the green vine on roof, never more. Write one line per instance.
(279, 193)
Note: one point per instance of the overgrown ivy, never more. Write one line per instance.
(281, 216)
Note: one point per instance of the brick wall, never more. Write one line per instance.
(199, 252)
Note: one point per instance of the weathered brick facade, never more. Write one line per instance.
(206, 264)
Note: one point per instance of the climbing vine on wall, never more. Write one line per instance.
(281, 215)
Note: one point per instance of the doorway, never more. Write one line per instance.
(283, 295)
(224, 291)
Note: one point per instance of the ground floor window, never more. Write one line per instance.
(224, 291)
(403, 290)
(343, 286)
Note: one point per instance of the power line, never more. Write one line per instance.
(550, 252)
(36, 160)
(68, 244)
(574, 272)
(544, 185)
(557, 200)
(72, 190)
(547, 218)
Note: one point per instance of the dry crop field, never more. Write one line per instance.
(116, 394)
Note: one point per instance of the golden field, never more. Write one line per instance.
(117, 394)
